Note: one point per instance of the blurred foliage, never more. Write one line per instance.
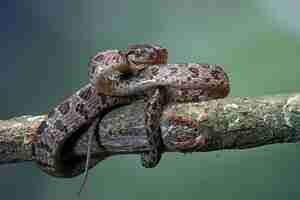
(45, 47)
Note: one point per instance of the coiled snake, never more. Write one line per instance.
(149, 77)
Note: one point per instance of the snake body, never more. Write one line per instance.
(66, 121)
(165, 83)
(149, 78)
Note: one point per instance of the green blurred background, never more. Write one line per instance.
(45, 47)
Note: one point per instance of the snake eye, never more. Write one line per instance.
(138, 52)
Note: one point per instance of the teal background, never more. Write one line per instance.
(44, 50)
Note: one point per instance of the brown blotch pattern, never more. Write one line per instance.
(195, 72)
(64, 107)
(80, 108)
(216, 74)
(205, 66)
(173, 70)
(154, 70)
(86, 93)
(99, 57)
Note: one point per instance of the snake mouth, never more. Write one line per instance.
(141, 60)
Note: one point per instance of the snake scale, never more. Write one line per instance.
(119, 78)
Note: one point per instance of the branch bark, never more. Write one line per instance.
(231, 123)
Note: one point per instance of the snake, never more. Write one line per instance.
(67, 121)
(120, 78)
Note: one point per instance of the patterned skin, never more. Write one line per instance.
(140, 58)
(67, 121)
(165, 83)
(108, 71)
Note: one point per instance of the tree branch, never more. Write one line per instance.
(231, 123)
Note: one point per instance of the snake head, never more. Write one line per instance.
(140, 54)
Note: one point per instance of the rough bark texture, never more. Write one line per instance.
(16, 136)
(231, 123)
